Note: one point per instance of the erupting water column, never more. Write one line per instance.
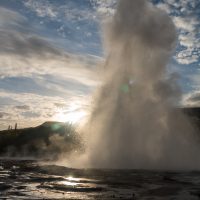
(133, 123)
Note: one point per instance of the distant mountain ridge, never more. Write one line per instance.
(46, 140)
(53, 138)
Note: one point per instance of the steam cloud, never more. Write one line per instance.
(134, 123)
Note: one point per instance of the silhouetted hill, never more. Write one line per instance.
(47, 140)
(51, 138)
(193, 114)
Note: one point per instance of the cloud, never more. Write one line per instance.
(72, 22)
(164, 7)
(42, 8)
(191, 52)
(90, 10)
(33, 109)
(23, 107)
(104, 8)
(185, 23)
(46, 85)
(191, 99)
(23, 54)
(59, 105)
(7, 101)
(30, 114)
(27, 45)
(33, 66)
(186, 57)
(185, 15)
(194, 79)
(55, 11)
(36, 76)
(3, 115)
(10, 18)
(195, 97)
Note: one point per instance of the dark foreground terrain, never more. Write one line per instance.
(46, 141)
(28, 179)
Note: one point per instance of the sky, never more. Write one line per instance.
(51, 54)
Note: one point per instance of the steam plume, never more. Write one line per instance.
(134, 123)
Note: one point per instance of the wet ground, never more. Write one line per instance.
(27, 179)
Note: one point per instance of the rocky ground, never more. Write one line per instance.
(28, 179)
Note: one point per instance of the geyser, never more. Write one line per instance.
(134, 123)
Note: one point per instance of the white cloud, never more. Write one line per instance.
(185, 17)
(71, 11)
(189, 55)
(186, 60)
(191, 52)
(192, 99)
(185, 23)
(104, 8)
(56, 11)
(187, 40)
(184, 20)
(42, 8)
(26, 54)
(164, 7)
(55, 76)
(40, 108)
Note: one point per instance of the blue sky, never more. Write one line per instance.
(51, 51)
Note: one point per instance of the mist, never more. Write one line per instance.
(135, 122)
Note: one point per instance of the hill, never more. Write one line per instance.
(45, 141)
(193, 115)
(51, 139)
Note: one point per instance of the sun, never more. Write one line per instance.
(71, 117)
(74, 113)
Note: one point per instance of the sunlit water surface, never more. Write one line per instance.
(27, 179)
